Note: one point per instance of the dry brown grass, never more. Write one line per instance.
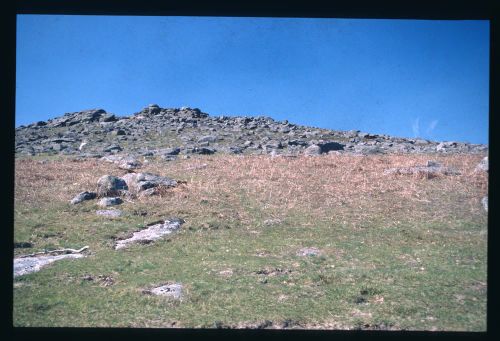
(354, 187)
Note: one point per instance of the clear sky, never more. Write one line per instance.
(404, 78)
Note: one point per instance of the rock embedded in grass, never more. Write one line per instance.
(105, 202)
(153, 232)
(170, 290)
(82, 197)
(308, 251)
(109, 213)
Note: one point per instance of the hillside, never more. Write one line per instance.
(250, 224)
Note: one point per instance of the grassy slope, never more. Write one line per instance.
(398, 252)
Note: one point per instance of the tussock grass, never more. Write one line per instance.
(396, 251)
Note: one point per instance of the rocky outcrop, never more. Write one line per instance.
(168, 132)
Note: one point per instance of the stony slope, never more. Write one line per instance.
(156, 131)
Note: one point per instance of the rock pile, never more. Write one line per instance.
(169, 132)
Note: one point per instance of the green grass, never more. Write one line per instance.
(406, 268)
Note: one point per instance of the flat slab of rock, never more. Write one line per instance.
(26, 265)
(109, 213)
(152, 232)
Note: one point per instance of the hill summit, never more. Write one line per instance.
(168, 132)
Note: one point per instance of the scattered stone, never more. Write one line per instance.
(26, 265)
(152, 232)
(484, 201)
(110, 185)
(483, 165)
(83, 196)
(105, 202)
(110, 213)
(308, 251)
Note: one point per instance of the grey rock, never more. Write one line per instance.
(368, 150)
(171, 290)
(312, 150)
(129, 164)
(105, 202)
(110, 185)
(142, 181)
(83, 196)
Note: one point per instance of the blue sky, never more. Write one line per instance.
(404, 78)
